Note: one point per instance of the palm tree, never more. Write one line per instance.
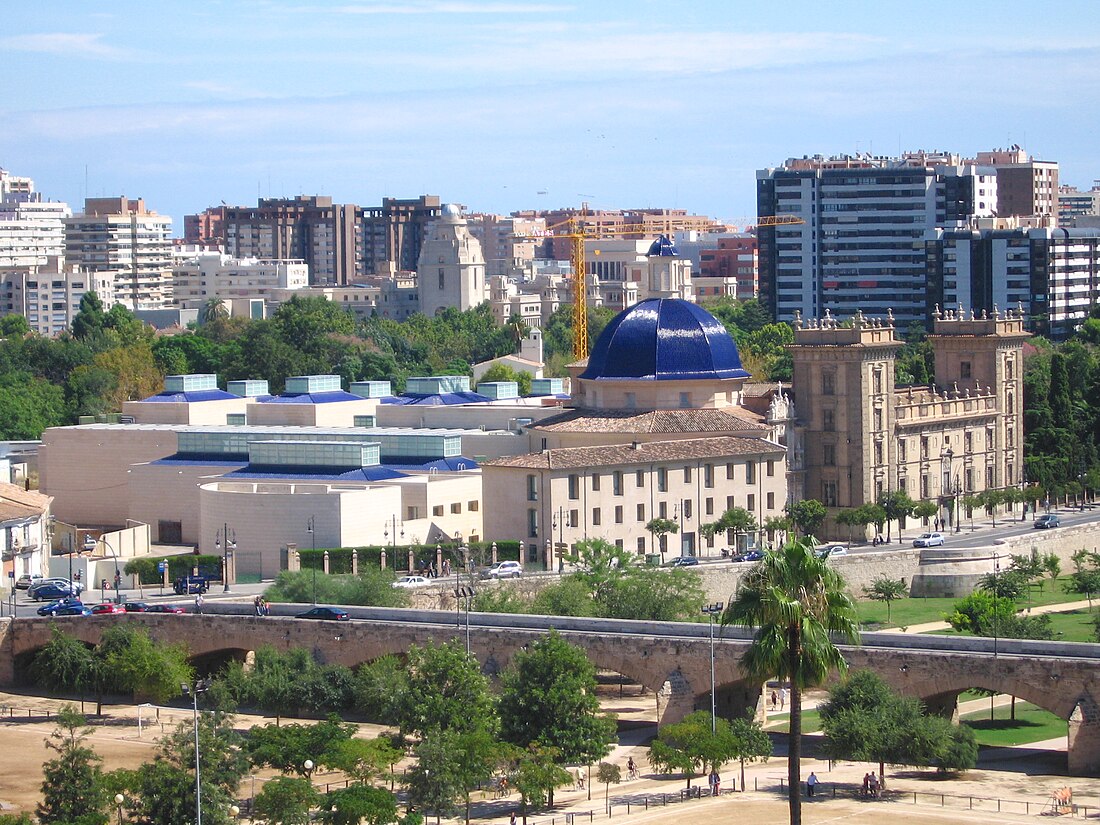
(798, 604)
(213, 309)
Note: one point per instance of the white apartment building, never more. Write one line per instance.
(200, 277)
(48, 296)
(121, 236)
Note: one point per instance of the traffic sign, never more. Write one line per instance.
(162, 566)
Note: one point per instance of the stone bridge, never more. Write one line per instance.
(672, 660)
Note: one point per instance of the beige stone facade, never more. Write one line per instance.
(865, 437)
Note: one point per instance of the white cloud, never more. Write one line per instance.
(64, 44)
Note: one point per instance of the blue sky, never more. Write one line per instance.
(511, 104)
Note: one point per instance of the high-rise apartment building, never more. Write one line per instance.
(121, 236)
(201, 277)
(1053, 274)
(860, 245)
(307, 228)
(390, 235)
(1025, 187)
(31, 229)
(1073, 203)
(205, 230)
(48, 295)
(729, 267)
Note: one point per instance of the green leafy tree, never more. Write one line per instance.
(286, 748)
(925, 510)
(601, 566)
(885, 589)
(691, 746)
(537, 774)
(608, 774)
(445, 691)
(983, 614)
(749, 743)
(437, 780)
(14, 326)
(363, 759)
(134, 663)
(898, 506)
(362, 803)
(379, 688)
(1009, 584)
(65, 664)
(736, 520)
(799, 606)
(850, 518)
(503, 372)
(648, 595)
(661, 527)
(286, 800)
(1084, 582)
(213, 309)
(73, 791)
(548, 697)
(28, 406)
(370, 587)
(1052, 566)
(567, 597)
(808, 515)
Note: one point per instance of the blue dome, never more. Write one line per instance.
(662, 248)
(664, 339)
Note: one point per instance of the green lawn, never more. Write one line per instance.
(906, 612)
(1032, 724)
(1075, 626)
(811, 722)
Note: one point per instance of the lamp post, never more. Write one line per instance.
(463, 593)
(311, 528)
(558, 523)
(200, 686)
(996, 622)
(386, 532)
(119, 799)
(308, 766)
(713, 610)
(230, 543)
(90, 545)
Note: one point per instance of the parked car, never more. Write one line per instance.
(187, 585)
(26, 580)
(684, 561)
(1047, 521)
(51, 591)
(329, 613)
(830, 550)
(107, 607)
(64, 607)
(412, 581)
(54, 580)
(928, 540)
(164, 608)
(136, 607)
(506, 570)
(748, 555)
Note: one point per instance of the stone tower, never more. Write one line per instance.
(451, 267)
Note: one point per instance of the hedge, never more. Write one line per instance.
(179, 565)
(397, 558)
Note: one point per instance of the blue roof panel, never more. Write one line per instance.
(192, 397)
(310, 398)
(438, 399)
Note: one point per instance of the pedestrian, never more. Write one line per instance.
(874, 784)
(198, 603)
(578, 782)
(256, 608)
(811, 784)
(715, 782)
(782, 698)
(866, 784)
(512, 819)
(263, 606)
(775, 699)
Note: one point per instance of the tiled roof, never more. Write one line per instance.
(568, 458)
(652, 421)
(17, 503)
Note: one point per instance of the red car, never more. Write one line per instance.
(108, 607)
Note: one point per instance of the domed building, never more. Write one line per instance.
(654, 429)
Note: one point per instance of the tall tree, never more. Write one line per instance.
(798, 604)
(548, 697)
(73, 792)
(446, 691)
(808, 515)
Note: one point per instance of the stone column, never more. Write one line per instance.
(1084, 738)
(438, 560)
(412, 561)
(548, 558)
(326, 562)
(383, 558)
(293, 560)
(355, 562)
(494, 551)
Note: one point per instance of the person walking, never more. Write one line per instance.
(715, 782)
(198, 603)
(775, 699)
(782, 698)
(811, 784)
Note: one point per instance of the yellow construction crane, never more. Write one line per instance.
(578, 232)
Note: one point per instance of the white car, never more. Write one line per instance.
(827, 551)
(928, 540)
(412, 581)
(506, 570)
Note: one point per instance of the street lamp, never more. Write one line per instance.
(713, 610)
(90, 545)
(467, 594)
(308, 766)
(230, 538)
(311, 528)
(386, 531)
(200, 686)
(119, 799)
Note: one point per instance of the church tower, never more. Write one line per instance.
(451, 268)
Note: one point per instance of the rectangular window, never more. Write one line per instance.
(924, 488)
(964, 369)
(709, 505)
(595, 482)
(437, 510)
(687, 509)
(574, 518)
(617, 482)
(619, 543)
(685, 400)
(532, 523)
(751, 503)
(771, 501)
(412, 513)
(532, 488)
(473, 506)
(968, 442)
(662, 480)
(595, 516)
(574, 491)
(828, 493)
(828, 455)
(750, 472)
(729, 472)
(641, 512)
(902, 450)
(456, 507)
(924, 448)
(631, 401)
(618, 514)
(641, 544)
(687, 475)
(969, 480)
(827, 422)
(639, 478)
(708, 475)
(828, 383)
(771, 468)
(662, 509)
(441, 285)
(729, 502)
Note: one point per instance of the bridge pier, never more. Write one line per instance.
(1083, 752)
(944, 704)
(7, 655)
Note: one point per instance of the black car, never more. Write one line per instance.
(51, 591)
(330, 613)
(136, 607)
(187, 585)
